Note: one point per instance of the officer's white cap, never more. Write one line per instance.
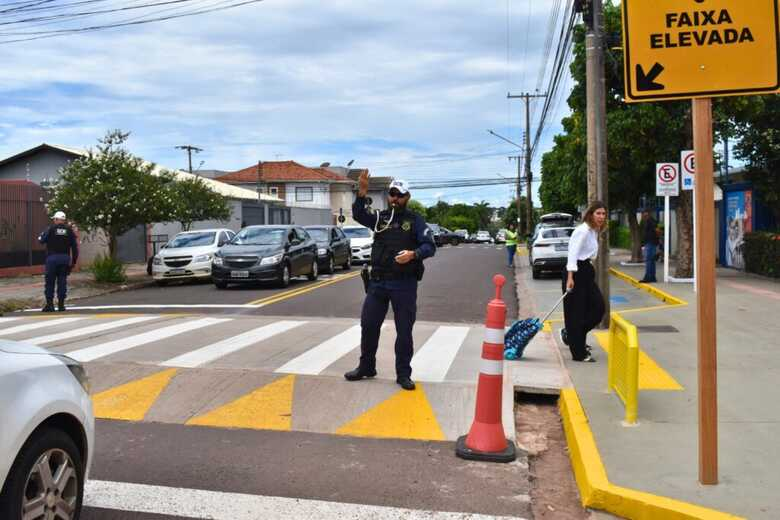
(59, 215)
(400, 185)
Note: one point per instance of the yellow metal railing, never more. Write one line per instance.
(623, 366)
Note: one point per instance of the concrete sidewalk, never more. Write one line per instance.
(659, 456)
(27, 291)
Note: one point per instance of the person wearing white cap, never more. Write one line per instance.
(402, 240)
(62, 252)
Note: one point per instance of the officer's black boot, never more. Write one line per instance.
(49, 307)
(61, 305)
(358, 374)
(405, 382)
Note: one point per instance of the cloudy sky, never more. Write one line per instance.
(406, 88)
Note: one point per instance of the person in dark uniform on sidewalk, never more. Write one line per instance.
(402, 240)
(62, 251)
(583, 307)
(650, 241)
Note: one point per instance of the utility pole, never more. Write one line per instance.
(519, 177)
(259, 189)
(529, 204)
(593, 14)
(190, 149)
(519, 159)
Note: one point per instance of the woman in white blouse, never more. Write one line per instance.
(583, 308)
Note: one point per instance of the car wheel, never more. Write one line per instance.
(348, 264)
(314, 272)
(455, 242)
(284, 277)
(536, 274)
(161, 283)
(46, 479)
(219, 284)
(331, 265)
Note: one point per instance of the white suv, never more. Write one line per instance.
(47, 434)
(550, 250)
(189, 254)
(360, 239)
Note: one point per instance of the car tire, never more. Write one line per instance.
(284, 276)
(455, 242)
(331, 265)
(314, 272)
(536, 273)
(219, 284)
(21, 481)
(161, 283)
(348, 264)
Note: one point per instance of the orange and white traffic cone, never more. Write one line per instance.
(485, 440)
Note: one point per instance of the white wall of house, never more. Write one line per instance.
(307, 195)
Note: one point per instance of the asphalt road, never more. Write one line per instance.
(457, 286)
(174, 460)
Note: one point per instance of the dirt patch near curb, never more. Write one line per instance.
(554, 493)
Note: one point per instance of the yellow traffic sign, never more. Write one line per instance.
(681, 49)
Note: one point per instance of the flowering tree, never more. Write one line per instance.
(193, 200)
(112, 190)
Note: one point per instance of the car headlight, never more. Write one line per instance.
(157, 260)
(366, 246)
(218, 260)
(271, 260)
(201, 258)
(77, 369)
(322, 251)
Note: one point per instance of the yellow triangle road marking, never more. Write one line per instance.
(405, 415)
(267, 408)
(131, 401)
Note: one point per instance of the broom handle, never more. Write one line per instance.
(554, 307)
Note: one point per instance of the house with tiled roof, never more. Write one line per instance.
(314, 195)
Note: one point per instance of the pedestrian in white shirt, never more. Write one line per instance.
(583, 308)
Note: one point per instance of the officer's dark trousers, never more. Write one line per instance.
(56, 271)
(582, 309)
(402, 294)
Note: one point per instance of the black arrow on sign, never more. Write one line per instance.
(647, 81)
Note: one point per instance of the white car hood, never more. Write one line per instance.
(358, 242)
(16, 347)
(187, 251)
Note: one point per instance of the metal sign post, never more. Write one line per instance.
(667, 184)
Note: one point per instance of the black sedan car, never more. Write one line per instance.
(332, 247)
(265, 254)
(442, 235)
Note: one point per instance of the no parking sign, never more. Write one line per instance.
(688, 164)
(667, 182)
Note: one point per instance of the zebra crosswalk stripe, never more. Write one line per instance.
(112, 347)
(317, 359)
(37, 325)
(215, 351)
(433, 360)
(100, 327)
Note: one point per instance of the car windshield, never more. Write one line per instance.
(557, 233)
(191, 240)
(319, 234)
(434, 227)
(357, 232)
(260, 237)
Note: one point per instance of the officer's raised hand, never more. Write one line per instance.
(363, 183)
(405, 256)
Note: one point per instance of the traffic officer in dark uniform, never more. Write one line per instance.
(402, 240)
(62, 251)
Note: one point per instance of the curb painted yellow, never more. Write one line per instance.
(597, 492)
(131, 401)
(405, 415)
(267, 408)
(655, 291)
(547, 327)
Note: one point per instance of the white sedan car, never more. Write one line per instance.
(47, 434)
(361, 239)
(189, 255)
(550, 250)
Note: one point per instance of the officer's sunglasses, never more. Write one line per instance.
(395, 193)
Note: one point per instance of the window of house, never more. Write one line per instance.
(304, 194)
(273, 191)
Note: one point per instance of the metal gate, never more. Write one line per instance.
(22, 218)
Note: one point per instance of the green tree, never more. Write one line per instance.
(193, 201)
(112, 190)
(417, 207)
